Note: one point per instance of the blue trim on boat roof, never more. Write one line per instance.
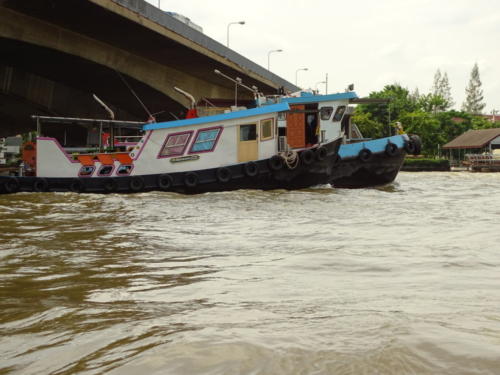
(320, 98)
(280, 107)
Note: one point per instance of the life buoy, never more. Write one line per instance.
(275, 163)
(410, 147)
(307, 157)
(391, 149)
(76, 185)
(191, 179)
(110, 185)
(40, 185)
(12, 185)
(223, 174)
(136, 184)
(321, 153)
(251, 169)
(165, 181)
(365, 155)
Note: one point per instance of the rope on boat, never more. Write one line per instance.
(291, 158)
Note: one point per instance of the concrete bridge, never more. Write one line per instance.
(55, 53)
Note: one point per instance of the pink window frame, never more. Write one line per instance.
(124, 165)
(160, 156)
(107, 174)
(221, 128)
(87, 175)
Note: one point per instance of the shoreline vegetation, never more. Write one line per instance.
(423, 164)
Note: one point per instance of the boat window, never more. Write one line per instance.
(267, 129)
(248, 132)
(86, 170)
(175, 144)
(124, 170)
(326, 112)
(205, 140)
(339, 113)
(105, 170)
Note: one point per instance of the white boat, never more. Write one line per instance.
(266, 147)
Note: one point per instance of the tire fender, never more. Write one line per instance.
(136, 184)
(40, 185)
(307, 157)
(365, 155)
(251, 169)
(275, 163)
(223, 174)
(165, 181)
(191, 179)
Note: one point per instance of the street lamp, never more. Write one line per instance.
(317, 83)
(269, 55)
(296, 72)
(232, 23)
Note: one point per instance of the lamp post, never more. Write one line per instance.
(232, 23)
(159, 5)
(317, 83)
(269, 56)
(296, 73)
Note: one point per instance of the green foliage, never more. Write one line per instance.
(426, 164)
(423, 115)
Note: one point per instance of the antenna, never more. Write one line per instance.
(110, 112)
(133, 93)
(238, 81)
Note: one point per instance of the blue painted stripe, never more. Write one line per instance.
(352, 150)
(280, 107)
(320, 98)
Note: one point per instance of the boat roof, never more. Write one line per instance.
(280, 107)
(320, 98)
(87, 121)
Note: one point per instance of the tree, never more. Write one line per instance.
(445, 92)
(441, 89)
(436, 86)
(474, 94)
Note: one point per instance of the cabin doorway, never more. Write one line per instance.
(248, 147)
(302, 125)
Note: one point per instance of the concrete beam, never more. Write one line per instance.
(17, 26)
(141, 19)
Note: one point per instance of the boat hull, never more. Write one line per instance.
(355, 174)
(373, 162)
(264, 174)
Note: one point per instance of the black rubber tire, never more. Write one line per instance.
(321, 153)
(365, 155)
(223, 174)
(307, 157)
(165, 181)
(12, 185)
(251, 169)
(191, 179)
(391, 149)
(410, 147)
(276, 163)
(76, 185)
(110, 185)
(136, 184)
(418, 144)
(40, 185)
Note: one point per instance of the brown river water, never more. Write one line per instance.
(403, 279)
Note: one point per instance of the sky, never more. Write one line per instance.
(370, 43)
